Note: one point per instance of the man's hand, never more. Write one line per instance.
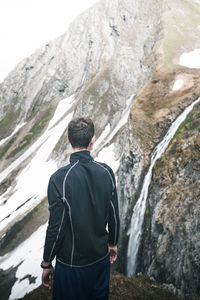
(113, 253)
(47, 277)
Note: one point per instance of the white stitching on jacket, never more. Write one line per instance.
(57, 235)
(70, 214)
(112, 195)
(83, 266)
(108, 173)
(115, 221)
(67, 175)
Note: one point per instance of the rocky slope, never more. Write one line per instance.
(117, 64)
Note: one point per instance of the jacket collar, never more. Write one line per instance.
(81, 156)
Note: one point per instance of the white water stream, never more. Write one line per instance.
(135, 230)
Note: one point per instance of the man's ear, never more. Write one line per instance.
(92, 140)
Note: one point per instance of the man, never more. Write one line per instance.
(83, 227)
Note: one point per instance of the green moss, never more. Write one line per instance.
(187, 125)
(5, 148)
(161, 161)
(41, 124)
(7, 122)
(158, 166)
(180, 130)
(33, 132)
(23, 143)
(150, 114)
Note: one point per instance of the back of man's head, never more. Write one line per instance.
(80, 132)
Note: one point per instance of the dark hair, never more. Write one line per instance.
(80, 132)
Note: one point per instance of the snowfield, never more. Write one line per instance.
(28, 255)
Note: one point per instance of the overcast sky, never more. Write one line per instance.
(25, 25)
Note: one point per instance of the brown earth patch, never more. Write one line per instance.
(157, 105)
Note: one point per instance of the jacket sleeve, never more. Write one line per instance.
(57, 222)
(113, 218)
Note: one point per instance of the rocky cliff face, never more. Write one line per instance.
(170, 247)
(117, 64)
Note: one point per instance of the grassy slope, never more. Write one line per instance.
(180, 31)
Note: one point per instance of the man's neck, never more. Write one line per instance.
(80, 149)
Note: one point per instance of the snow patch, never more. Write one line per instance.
(107, 155)
(63, 106)
(122, 122)
(29, 254)
(191, 59)
(177, 84)
(102, 137)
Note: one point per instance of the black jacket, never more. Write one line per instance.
(84, 216)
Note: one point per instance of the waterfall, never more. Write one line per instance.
(135, 230)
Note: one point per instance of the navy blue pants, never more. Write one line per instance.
(88, 283)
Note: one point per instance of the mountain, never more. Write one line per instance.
(129, 65)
